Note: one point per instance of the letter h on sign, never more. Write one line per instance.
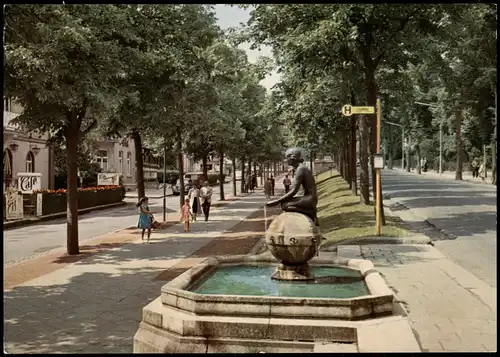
(346, 110)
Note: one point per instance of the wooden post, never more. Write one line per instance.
(378, 198)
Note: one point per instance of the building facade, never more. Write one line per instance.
(24, 151)
(30, 152)
(118, 156)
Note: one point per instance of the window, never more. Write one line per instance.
(30, 162)
(102, 159)
(120, 162)
(129, 163)
(7, 168)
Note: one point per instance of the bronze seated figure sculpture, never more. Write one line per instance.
(303, 177)
(294, 236)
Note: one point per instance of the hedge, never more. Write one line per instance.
(55, 201)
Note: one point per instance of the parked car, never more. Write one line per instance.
(194, 177)
(176, 189)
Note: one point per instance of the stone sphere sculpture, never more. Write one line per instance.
(293, 239)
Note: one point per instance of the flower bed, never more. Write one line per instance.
(55, 201)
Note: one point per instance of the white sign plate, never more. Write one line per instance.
(378, 161)
(107, 179)
(28, 182)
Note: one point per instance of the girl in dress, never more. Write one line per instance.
(185, 214)
(145, 217)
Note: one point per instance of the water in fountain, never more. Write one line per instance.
(329, 282)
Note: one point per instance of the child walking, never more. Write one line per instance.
(145, 217)
(185, 214)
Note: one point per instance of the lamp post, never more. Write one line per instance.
(402, 142)
(440, 137)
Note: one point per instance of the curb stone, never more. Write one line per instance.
(417, 239)
(448, 236)
(36, 220)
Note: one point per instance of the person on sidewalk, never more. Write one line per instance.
(248, 182)
(475, 168)
(145, 217)
(254, 182)
(287, 183)
(273, 183)
(482, 170)
(194, 201)
(185, 215)
(268, 188)
(206, 196)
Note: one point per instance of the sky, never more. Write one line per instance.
(232, 17)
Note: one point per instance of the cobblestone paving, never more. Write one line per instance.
(445, 315)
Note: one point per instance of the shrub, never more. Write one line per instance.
(172, 177)
(54, 201)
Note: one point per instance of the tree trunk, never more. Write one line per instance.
(233, 161)
(311, 161)
(390, 164)
(494, 162)
(242, 182)
(373, 151)
(72, 138)
(180, 162)
(221, 174)
(458, 144)
(485, 162)
(139, 162)
(354, 175)
(363, 161)
(204, 160)
(408, 153)
(249, 166)
(494, 148)
(341, 161)
(419, 166)
(349, 159)
(261, 174)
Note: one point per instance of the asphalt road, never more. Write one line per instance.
(466, 212)
(30, 241)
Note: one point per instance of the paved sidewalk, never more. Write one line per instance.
(95, 304)
(449, 308)
(450, 175)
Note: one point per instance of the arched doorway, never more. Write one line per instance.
(7, 168)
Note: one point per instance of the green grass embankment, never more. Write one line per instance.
(343, 217)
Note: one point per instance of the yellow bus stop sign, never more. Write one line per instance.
(348, 110)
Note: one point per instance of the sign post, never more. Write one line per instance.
(377, 171)
(348, 110)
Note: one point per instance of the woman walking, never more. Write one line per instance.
(482, 171)
(145, 217)
(194, 201)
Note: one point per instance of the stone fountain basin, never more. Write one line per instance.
(176, 293)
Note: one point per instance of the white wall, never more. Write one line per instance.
(25, 142)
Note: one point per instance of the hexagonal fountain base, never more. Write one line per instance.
(183, 321)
